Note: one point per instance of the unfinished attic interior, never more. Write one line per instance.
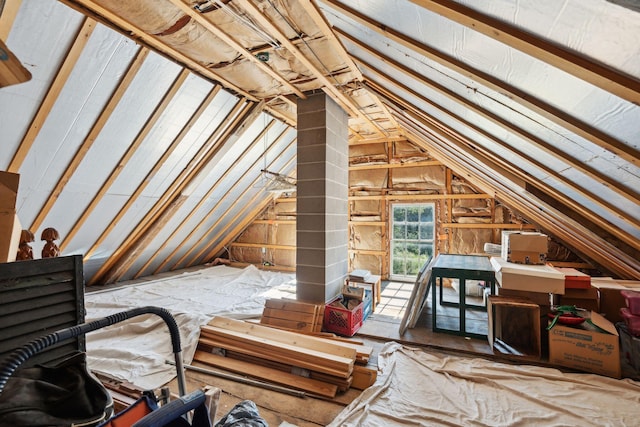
(337, 202)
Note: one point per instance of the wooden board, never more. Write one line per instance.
(11, 70)
(272, 375)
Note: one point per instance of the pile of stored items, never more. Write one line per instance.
(575, 320)
(300, 357)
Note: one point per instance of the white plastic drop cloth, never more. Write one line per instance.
(137, 349)
(418, 388)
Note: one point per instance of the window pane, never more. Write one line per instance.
(412, 231)
(426, 232)
(399, 232)
(398, 214)
(413, 214)
(426, 214)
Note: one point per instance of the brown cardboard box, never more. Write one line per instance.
(10, 227)
(611, 300)
(581, 298)
(586, 347)
(524, 247)
(533, 278)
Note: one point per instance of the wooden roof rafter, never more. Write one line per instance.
(147, 179)
(214, 248)
(555, 115)
(216, 185)
(436, 126)
(465, 162)
(89, 7)
(334, 92)
(71, 58)
(242, 114)
(211, 27)
(623, 85)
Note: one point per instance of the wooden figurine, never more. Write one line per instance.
(24, 249)
(50, 249)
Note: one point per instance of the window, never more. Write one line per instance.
(411, 239)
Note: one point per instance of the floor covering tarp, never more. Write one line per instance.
(420, 388)
(137, 349)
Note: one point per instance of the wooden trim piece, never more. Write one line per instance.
(546, 110)
(379, 140)
(374, 223)
(491, 225)
(275, 221)
(600, 75)
(396, 165)
(422, 196)
(367, 252)
(52, 94)
(263, 245)
(147, 179)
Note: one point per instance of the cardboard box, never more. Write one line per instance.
(581, 298)
(575, 279)
(514, 326)
(533, 278)
(586, 347)
(611, 298)
(524, 247)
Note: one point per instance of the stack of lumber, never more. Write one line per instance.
(317, 365)
(295, 315)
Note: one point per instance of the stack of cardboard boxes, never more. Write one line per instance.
(522, 273)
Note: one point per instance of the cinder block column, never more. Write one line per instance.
(322, 199)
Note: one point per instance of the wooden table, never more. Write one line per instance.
(463, 268)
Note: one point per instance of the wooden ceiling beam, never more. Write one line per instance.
(237, 120)
(210, 192)
(247, 218)
(71, 58)
(8, 14)
(555, 115)
(557, 224)
(596, 73)
(328, 86)
(539, 144)
(237, 201)
(89, 7)
(212, 28)
(91, 137)
(429, 121)
(132, 200)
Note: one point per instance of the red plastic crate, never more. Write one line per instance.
(632, 321)
(342, 321)
(632, 299)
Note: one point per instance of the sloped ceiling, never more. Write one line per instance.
(144, 128)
